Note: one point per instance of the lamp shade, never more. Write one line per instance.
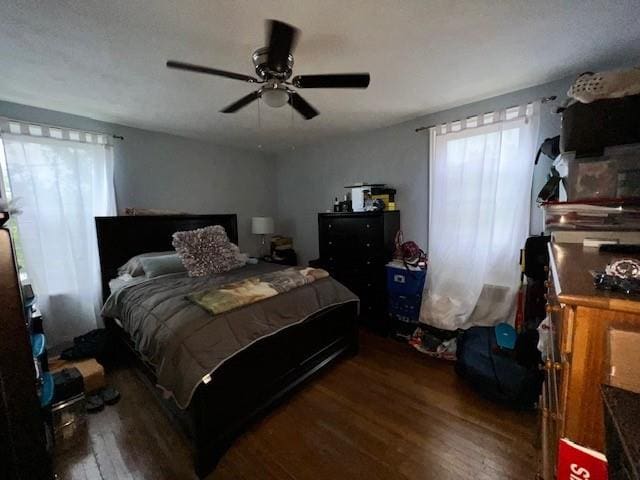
(262, 225)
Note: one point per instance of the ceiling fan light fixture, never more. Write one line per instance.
(275, 97)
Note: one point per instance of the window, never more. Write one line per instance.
(12, 224)
(62, 179)
(480, 173)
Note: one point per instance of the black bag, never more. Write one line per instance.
(98, 344)
(536, 257)
(497, 375)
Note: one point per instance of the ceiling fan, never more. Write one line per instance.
(274, 64)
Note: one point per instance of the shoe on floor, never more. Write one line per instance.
(110, 395)
(94, 403)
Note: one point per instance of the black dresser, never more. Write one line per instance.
(354, 248)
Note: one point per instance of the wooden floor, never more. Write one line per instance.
(388, 413)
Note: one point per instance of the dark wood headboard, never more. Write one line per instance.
(120, 238)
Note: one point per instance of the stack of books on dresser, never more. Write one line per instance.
(609, 221)
(593, 215)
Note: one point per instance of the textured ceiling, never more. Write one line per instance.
(105, 59)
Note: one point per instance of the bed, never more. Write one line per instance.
(251, 381)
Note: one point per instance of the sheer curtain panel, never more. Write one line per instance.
(63, 179)
(480, 172)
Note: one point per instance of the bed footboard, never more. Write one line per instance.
(258, 379)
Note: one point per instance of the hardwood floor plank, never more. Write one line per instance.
(389, 413)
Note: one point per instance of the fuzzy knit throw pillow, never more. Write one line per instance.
(207, 250)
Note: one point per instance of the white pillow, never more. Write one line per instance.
(134, 267)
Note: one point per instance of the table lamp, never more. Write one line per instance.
(262, 226)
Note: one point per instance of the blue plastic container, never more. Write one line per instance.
(404, 282)
(404, 287)
(46, 390)
(38, 344)
(403, 308)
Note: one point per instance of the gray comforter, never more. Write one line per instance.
(186, 344)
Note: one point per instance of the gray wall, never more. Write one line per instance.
(156, 170)
(310, 177)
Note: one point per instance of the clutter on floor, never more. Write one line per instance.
(500, 374)
(98, 344)
(68, 408)
(95, 391)
(435, 342)
(80, 383)
(91, 371)
(106, 396)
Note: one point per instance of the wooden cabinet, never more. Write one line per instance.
(576, 355)
(354, 248)
(23, 452)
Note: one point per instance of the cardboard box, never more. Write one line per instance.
(624, 359)
(92, 372)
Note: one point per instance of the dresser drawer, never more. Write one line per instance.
(367, 286)
(350, 270)
(354, 225)
(353, 261)
(373, 313)
(358, 243)
(347, 244)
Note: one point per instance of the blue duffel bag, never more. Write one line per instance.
(506, 377)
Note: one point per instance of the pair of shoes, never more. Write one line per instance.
(96, 402)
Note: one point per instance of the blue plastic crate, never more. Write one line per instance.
(401, 281)
(38, 344)
(404, 308)
(46, 390)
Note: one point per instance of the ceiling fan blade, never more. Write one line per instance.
(336, 80)
(243, 102)
(282, 41)
(211, 71)
(302, 106)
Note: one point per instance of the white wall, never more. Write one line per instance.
(156, 170)
(309, 178)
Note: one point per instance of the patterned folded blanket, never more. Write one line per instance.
(227, 297)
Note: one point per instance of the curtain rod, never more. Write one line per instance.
(542, 100)
(40, 124)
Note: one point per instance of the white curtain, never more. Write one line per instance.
(480, 174)
(61, 185)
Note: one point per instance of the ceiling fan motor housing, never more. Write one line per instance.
(260, 58)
